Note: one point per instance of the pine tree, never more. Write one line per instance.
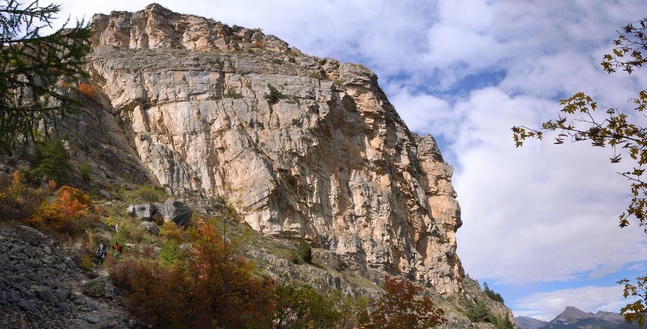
(37, 71)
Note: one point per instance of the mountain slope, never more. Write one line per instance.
(303, 147)
(529, 323)
(572, 318)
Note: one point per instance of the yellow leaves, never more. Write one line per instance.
(641, 101)
(616, 159)
(635, 312)
(520, 134)
(579, 102)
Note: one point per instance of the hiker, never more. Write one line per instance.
(117, 228)
(117, 248)
(101, 252)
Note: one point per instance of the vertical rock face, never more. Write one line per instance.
(301, 146)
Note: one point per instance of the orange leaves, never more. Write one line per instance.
(72, 202)
(216, 287)
(18, 200)
(87, 90)
(65, 213)
(226, 281)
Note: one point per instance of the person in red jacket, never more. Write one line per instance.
(117, 248)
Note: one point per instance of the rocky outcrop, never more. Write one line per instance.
(177, 212)
(171, 211)
(300, 146)
(41, 287)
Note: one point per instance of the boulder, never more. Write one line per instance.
(176, 212)
(104, 194)
(94, 288)
(143, 211)
(171, 211)
(150, 227)
(29, 235)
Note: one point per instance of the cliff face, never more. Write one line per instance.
(301, 146)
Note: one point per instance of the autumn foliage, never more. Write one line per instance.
(215, 287)
(211, 284)
(87, 90)
(66, 212)
(226, 282)
(17, 199)
(163, 296)
(401, 307)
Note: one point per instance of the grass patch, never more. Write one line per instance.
(143, 194)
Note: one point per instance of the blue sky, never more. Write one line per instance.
(540, 222)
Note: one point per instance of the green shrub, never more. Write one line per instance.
(170, 252)
(85, 171)
(50, 161)
(147, 193)
(231, 93)
(151, 194)
(303, 253)
(85, 262)
(274, 95)
(302, 306)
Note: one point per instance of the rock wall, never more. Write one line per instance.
(301, 146)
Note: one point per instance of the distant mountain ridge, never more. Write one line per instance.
(572, 317)
(525, 322)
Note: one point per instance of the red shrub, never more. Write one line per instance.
(400, 307)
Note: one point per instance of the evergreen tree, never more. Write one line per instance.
(493, 295)
(37, 71)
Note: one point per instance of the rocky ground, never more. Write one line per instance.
(42, 287)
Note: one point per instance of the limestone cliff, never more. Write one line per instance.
(301, 146)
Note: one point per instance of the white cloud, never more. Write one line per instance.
(540, 213)
(425, 113)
